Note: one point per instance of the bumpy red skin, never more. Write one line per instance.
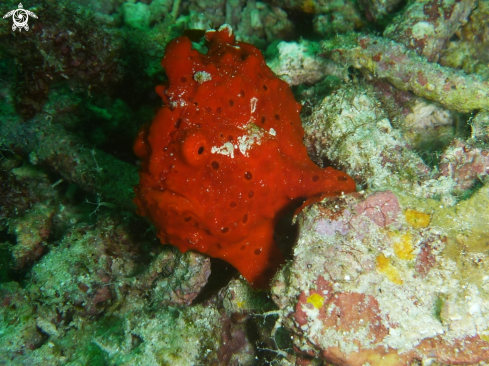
(224, 206)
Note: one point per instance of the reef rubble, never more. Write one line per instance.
(396, 95)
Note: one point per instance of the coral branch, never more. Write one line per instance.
(393, 62)
(175, 8)
(92, 169)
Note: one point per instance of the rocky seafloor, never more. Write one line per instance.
(394, 93)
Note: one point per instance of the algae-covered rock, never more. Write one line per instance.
(352, 129)
(386, 279)
(136, 15)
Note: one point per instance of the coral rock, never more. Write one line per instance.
(407, 288)
(465, 164)
(224, 156)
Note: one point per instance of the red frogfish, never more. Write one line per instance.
(224, 156)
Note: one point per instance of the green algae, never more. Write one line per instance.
(95, 355)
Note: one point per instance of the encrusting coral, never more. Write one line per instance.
(224, 156)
